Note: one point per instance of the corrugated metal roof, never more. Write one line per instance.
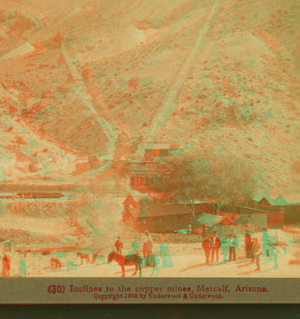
(229, 218)
(209, 219)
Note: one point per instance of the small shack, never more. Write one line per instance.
(165, 218)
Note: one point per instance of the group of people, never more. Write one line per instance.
(147, 251)
(212, 244)
(6, 264)
(228, 244)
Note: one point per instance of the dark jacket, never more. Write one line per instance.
(206, 245)
(248, 240)
(118, 245)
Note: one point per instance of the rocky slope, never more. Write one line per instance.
(225, 75)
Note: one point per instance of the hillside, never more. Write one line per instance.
(222, 77)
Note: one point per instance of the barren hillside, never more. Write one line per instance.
(220, 76)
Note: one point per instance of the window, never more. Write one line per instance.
(137, 180)
(151, 181)
(148, 181)
(142, 180)
(132, 181)
(161, 180)
(164, 153)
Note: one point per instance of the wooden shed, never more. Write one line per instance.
(165, 218)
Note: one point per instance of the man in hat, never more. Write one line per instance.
(5, 267)
(233, 244)
(135, 246)
(248, 245)
(225, 246)
(206, 245)
(22, 267)
(215, 246)
(119, 245)
(265, 240)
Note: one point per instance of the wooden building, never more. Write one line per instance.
(165, 218)
(274, 216)
(290, 212)
(155, 214)
(150, 171)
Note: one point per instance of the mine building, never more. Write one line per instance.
(151, 170)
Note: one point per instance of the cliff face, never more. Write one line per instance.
(223, 77)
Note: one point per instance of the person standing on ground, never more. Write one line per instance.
(135, 246)
(248, 245)
(119, 245)
(6, 267)
(256, 253)
(206, 245)
(22, 267)
(265, 239)
(225, 246)
(165, 252)
(148, 251)
(233, 243)
(273, 250)
(215, 246)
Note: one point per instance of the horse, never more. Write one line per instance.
(84, 256)
(128, 260)
(55, 263)
(71, 265)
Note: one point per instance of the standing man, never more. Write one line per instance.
(22, 267)
(135, 246)
(165, 252)
(206, 245)
(271, 246)
(148, 251)
(256, 252)
(215, 246)
(225, 246)
(233, 243)
(248, 245)
(119, 245)
(265, 240)
(6, 267)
